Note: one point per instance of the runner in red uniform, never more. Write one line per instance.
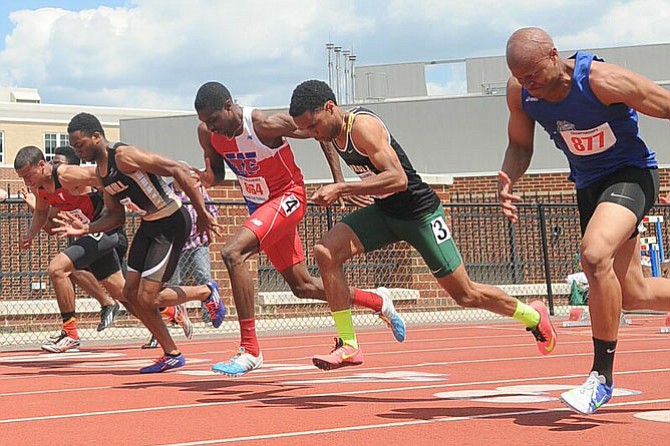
(69, 188)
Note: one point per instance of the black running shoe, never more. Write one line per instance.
(153, 343)
(107, 315)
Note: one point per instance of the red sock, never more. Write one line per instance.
(70, 327)
(248, 335)
(169, 313)
(368, 299)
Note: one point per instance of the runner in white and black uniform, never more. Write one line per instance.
(131, 177)
(165, 223)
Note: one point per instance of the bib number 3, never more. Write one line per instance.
(440, 230)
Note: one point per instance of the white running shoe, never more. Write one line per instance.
(240, 364)
(388, 314)
(588, 397)
(62, 344)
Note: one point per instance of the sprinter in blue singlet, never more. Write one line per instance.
(589, 109)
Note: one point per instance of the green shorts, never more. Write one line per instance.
(429, 235)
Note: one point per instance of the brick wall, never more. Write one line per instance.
(397, 266)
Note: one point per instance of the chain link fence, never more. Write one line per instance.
(529, 260)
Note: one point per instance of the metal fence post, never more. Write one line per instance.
(329, 218)
(545, 255)
(516, 276)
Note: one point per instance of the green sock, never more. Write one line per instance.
(526, 314)
(345, 327)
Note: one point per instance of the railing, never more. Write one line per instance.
(530, 259)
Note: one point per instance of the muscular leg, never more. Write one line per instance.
(601, 242)
(114, 285)
(59, 270)
(469, 294)
(638, 292)
(303, 284)
(337, 246)
(140, 293)
(175, 295)
(87, 282)
(242, 245)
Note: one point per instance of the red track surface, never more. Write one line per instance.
(96, 396)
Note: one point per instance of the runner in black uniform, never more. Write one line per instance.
(132, 177)
(69, 188)
(405, 208)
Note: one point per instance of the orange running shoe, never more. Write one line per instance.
(544, 332)
(341, 356)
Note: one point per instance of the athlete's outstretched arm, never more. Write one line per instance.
(215, 169)
(371, 138)
(113, 215)
(130, 159)
(39, 220)
(277, 125)
(613, 84)
(520, 133)
(78, 180)
(282, 125)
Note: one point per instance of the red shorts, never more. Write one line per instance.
(275, 223)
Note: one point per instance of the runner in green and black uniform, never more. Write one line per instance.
(405, 209)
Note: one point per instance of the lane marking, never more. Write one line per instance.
(522, 394)
(357, 378)
(657, 415)
(265, 374)
(274, 400)
(496, 414)
(60, 357)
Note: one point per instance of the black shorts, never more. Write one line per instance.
(157, 246)
(631, 187)
(96, 253)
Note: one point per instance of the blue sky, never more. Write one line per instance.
(155, 53)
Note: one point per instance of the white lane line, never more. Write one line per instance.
(265, 374)
(56, 357)
(398, 424)
(304, 397)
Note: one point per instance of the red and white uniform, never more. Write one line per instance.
(273, 188)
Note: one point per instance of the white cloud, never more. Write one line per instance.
(155, 53)
(160, 49)
(624, 23)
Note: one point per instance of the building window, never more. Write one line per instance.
(2, 147)
(53, 140)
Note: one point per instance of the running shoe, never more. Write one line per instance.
(63, 343)
(544, 332)
(214, 305)
(165, 363)
(341, 356)
(107, 315)
(153, 343)
(388, 314)
(181, 318)
(588, 397)
(240, 364)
